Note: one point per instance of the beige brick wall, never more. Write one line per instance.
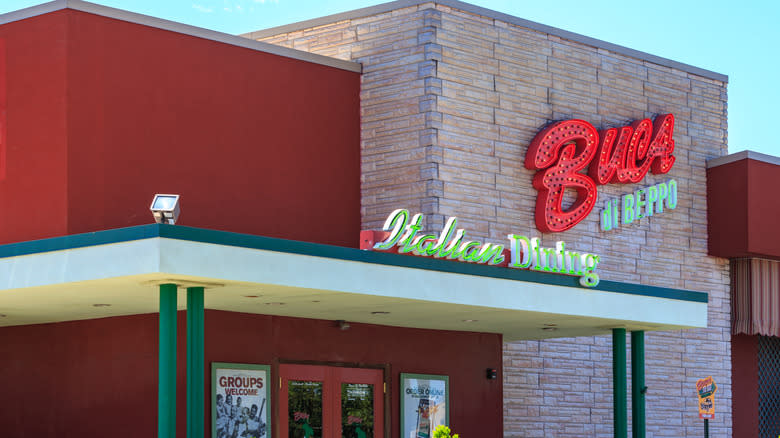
(450, 102)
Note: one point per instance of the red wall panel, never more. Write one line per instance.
(763, 209)
(253, 142)
(744, 384)
(93, 378)
(33, 198)
(477, 402)
(98, 378)
(727, 209)
(104, 113)
(743, 207)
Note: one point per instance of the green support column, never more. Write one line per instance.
(195, 382)
(638, 384)
(619, 396)
(166, 381)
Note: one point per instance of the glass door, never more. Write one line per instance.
(330, 402)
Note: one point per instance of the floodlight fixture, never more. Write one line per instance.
(165, 208)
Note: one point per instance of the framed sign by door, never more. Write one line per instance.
(424, 404)
(241, 398)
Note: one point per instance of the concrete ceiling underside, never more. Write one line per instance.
(118, 273)
(139, 294)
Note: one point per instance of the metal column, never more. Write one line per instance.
(166, 394)
(195, 381)
(638, 388)
(619, 397)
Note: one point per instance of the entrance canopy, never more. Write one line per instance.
(117, 272)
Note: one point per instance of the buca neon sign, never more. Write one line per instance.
(561, 151)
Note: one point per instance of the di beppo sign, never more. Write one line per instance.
(573, 155)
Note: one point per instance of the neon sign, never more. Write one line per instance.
(641, 203)
(561, 151)
(451, 243)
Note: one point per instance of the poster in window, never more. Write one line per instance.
(424, 404)
(240, 400)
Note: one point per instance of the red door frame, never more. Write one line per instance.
(332, 378)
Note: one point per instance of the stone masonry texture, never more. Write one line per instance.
(450, 101)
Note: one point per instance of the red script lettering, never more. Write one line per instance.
(623, 155)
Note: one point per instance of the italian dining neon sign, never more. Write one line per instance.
(404, 232)
(562, 153)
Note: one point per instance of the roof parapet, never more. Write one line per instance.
(159, 23)
(478, 10)
(751, 155)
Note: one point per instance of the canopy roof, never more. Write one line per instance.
(116, 272)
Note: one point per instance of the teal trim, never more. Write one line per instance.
(74, 241)
(166, 395)
(201, 235)
(195, 363)
(638, 389)
(619, 397)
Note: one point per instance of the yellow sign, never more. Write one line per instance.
(706, 389)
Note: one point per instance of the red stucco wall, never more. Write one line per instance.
(98, 378)
(104, 113)
(33, 192)
(743, 206)
(744, 383)
(763, 209)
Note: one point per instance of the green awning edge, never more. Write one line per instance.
(227, 238)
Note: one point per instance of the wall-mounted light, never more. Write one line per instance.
(165, 208)
(343, 325)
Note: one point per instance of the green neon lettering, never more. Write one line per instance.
(444, 238)
(515, 261)
(663, 192)
(447, 252)
(606, 217)
(615, 213)
(397, 222)
(409, 241)
(652, 197)
(536, 256)
(423, 244)
(671, 201)
(491, 254)
(583, 264)
(590, 278)
(548, 254)
(628, 209)
(560, 256)
(575, 267)
(639, 204)
(525, 253)
(468, 251)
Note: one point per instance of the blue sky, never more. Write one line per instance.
(736, 38)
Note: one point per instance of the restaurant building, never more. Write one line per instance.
(412, 214)
(743, 205)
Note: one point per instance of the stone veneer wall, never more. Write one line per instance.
(450, 100)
